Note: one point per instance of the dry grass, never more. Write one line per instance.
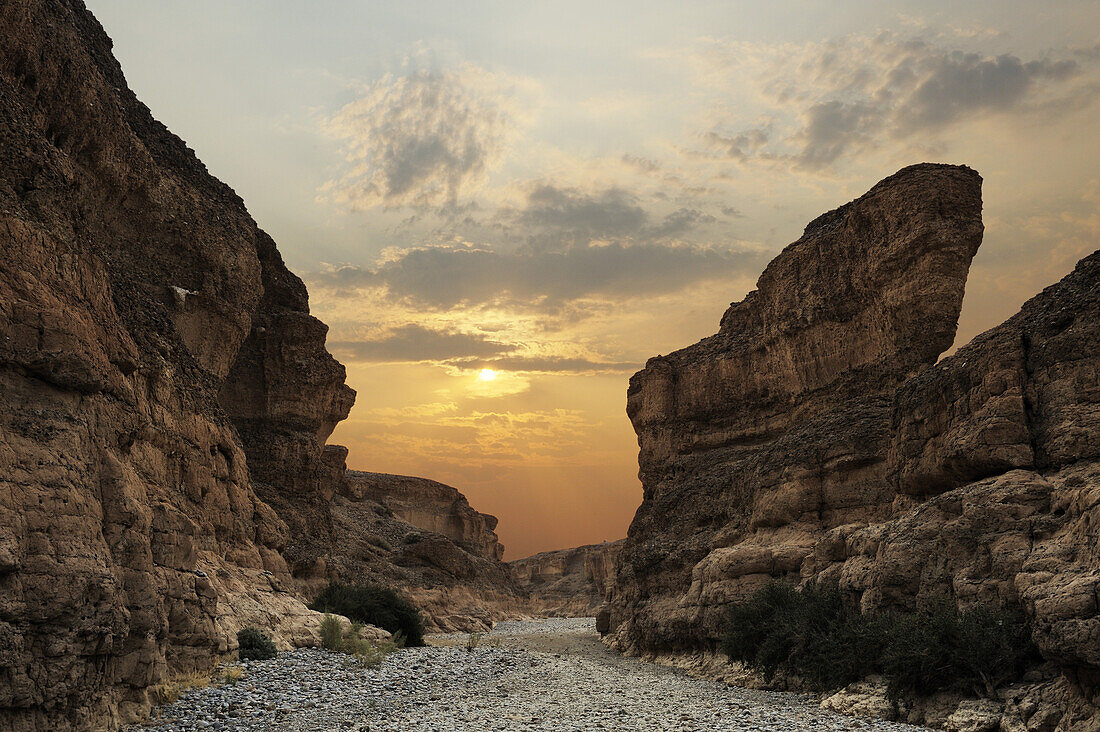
(169, 691)
(228, 675)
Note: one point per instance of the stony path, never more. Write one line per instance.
(539, 675)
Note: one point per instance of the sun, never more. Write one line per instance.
(486, 375)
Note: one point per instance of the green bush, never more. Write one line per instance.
(254, 645)
(812, 634)
(374, 605)
(808, 632)
(351, 642)
(331, 635)
(976, 650)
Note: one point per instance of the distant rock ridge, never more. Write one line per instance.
(815, 438)
(569, 582)
(431, 506)
(165, 399)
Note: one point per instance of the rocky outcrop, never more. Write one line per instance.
(569, 582)
(129, 281)
(165, 398)
(816, 438)
(431, 506)
(423, 537)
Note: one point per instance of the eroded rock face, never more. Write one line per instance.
(424, 538)
(165, 398)
(129, 280)
(569, 582)
(758, 439)
(815, 438)
(431, 506)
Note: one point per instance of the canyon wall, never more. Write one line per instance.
(816, 438)
(165, 398)
(569, 582)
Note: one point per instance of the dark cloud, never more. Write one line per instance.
(644, 164)
(952, 86)
(418, 140)
(611, 213)
(832, 127)
(445, 277)
(848, 95)
(415, 343)
(741, 146)
(556, 218)
(548, 364)
(679, 222)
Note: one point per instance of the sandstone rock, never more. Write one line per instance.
(866, 698)
(460, 585)
(431, 506)
(165, 398)
(129, 279)
(975, 715)
(815, 438)
(569, 582)
(759, 439)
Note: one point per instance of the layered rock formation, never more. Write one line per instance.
(569, 582)
(431, 506)
(424, 537)
(165, 397)
(816, 438)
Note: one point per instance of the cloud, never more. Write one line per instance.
(446, 277)
(951, 86)
(416, 343)
(836, 98)
(680, 222)
(421, 139)
(547, 364)
(555, 218)
(608, 213)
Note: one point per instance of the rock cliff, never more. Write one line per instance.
(816, 438)
(569, 582)
(165, 398)
(424, 537)
(431, 506)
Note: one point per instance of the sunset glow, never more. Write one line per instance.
(499, 233)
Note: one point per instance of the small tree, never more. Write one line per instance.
(373, 605)
(254, 645)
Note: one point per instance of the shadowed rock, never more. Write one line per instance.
(165, 399)
(569, 582)
(814, 438)
(757, 439)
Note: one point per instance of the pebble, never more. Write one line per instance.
(502, 688)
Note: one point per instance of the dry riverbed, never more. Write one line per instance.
(535, 675)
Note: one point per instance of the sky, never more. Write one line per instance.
(502, 209)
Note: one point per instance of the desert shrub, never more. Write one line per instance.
(331, 634)
(254, 645)
(228, 675)
(812, 634)
(379, 542)
(976, 650)
(374, 605)
(352, 642)
(473, 640)
(805, 632)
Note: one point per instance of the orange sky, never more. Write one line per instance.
(499, 186)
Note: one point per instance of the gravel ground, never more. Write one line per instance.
(538, 675)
